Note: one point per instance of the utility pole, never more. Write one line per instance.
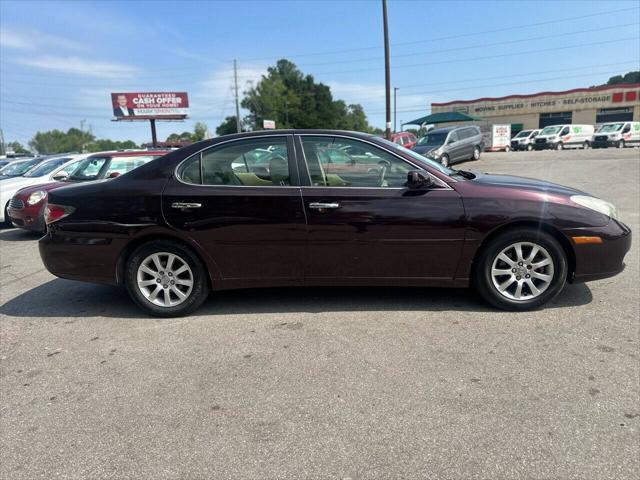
(235, 81)
(82, 125)
(2, 149)
(395, 92)
(387, 73)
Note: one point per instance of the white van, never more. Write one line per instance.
(564, 136)
(524, 140)
(617, 134)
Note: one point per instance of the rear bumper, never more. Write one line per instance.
(604, 260)
(81, 257)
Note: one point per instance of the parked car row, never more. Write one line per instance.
(25, 184)
(558, 137)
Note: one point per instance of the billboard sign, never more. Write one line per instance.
(148, 105)
(269, 124)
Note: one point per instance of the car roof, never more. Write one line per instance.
(139, 153)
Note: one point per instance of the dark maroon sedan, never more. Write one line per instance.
(199, 219)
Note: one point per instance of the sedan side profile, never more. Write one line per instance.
(201, 219)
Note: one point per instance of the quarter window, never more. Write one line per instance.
(331, 165)
(255, 162)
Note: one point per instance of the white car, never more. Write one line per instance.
(46, 171)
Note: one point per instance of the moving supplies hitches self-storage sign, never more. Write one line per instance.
(144, 105)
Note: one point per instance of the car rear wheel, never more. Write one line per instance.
(444, 160)
(585, 145)
(476, 153)
(521, 269)
(507, 149)
(166, 279)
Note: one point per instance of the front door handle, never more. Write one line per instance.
(322, 205)
(185, 205)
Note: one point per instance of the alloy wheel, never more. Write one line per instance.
(165, 279)
(522, 271)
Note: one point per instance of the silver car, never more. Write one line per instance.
(451, 144)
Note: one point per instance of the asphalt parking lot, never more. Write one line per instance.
(328, 383)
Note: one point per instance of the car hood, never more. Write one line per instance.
(29, 189)
(424, 149)
(523, 183)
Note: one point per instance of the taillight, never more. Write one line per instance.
(53, 212)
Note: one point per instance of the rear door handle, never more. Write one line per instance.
(322, 205)
(185, 205)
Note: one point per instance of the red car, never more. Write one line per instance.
(26, 209)
(406, 139)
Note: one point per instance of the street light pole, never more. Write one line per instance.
(387, 73)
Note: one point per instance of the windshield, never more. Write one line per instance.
(18, 168)
(433, 139)
(47, 167)
(551, 130)
(416, 156)
(610, 127)
(88, 169)
(523, 134)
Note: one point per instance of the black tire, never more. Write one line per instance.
(476, 153)
(559, 146)
(7, 220)
(585, 145)
(621, 144)
(529, 147)
(507, 149)
(444, 160)
(199, 292)
(482, 279)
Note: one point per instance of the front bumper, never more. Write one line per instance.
(29, 217)
(604, 260)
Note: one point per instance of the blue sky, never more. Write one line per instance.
(60, 60)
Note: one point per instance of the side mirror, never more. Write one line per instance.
(417, 180)
(450, 141)
(626, 129)
(61, 176)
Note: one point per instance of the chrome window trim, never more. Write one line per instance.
(441, 182)
(199, 152)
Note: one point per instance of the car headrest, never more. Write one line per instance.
(279, 170)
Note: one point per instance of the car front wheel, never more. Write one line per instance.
(444, 160)
(521, 269)
(166, 279)
(476, 153)
(621, 144)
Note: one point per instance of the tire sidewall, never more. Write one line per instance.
(476, 153)
(445, 160)
(483, 280)
(199, 292)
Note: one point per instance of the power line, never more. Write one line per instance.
(451, 37)
(488, 57)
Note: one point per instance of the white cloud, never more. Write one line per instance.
(28, 39)
(80, 66)
(181, 52)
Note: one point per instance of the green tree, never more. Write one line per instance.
(200, 131)
(104, 144)
(295, 100)
(56, 141)
(16, 147)
(629, 77)
(228, 126)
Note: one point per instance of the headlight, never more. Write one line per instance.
(614, 135)
(596, 204)
(36, 197)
